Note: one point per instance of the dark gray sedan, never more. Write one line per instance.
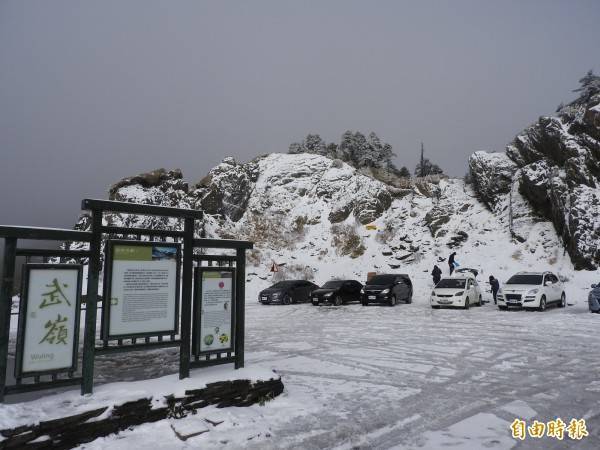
(594, 298)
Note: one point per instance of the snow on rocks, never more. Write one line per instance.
(226, 189)
(492, 175)
(309, 212)
(559, 162)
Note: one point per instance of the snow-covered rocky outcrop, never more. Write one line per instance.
(309, 215)
(555, 165)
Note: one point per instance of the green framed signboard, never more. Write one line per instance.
(48, 328)
(141, 289)
(214, 292)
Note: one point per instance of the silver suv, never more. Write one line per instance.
(532, 290)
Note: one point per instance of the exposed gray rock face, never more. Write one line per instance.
(226, 189)
(458, 239)
(369, 207)
(437, 217)
(340, 214)
(492, 175)
(559, 162)
(286, 181)
(170, 183)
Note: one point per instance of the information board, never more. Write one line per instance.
(141, 289)
(48, 330)
(214, 291)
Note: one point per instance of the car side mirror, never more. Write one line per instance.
(594, 286)
(547, 283)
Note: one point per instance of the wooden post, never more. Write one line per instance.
(195, 313)
(6, 286)
(240, 306)
(186, 297)
(89, 340)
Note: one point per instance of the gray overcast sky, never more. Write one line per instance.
(91, 92)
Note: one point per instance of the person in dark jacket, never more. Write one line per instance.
(451, 262)
(436, 273)
(495, 287)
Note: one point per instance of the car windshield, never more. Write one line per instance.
(283, 284)
(332, 284)
(382, 279)
(451, 283)
(525, 279)
(466, 270)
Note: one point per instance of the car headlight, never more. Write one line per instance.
(362, 291)
(329, 294)
(385, 291)
(533, 291)
(459, 293)
(433, 293)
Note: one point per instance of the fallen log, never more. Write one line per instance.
(71, 431)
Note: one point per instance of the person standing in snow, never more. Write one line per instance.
(495, 287)
(451, 262)
(436, 273)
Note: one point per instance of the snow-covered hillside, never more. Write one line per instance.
(319, 218)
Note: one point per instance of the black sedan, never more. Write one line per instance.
(337, 292)
(287, 292)
(388, 289)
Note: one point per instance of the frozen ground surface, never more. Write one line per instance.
(378, 377)
(412, 377)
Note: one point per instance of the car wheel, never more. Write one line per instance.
(393, 300)
(409, 299)
(480, 301)
(435, 306)
(467, 303)
(542, 303)
(286, 300)
(503, 308)
(364, 302)
(563, 301)
(337, 301)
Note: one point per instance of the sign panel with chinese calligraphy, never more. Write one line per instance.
(214, 291)
(48, 333)
(141, 289)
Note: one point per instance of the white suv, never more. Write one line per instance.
(532, 290)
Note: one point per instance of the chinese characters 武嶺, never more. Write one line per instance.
(55, 295)
(57, 331)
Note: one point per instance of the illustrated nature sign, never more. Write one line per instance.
(48, 330)
(214, 290)
(141, 289)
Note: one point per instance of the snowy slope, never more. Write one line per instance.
(308, 214)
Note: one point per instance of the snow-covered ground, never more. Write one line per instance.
(413, 377)
(381, 377)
